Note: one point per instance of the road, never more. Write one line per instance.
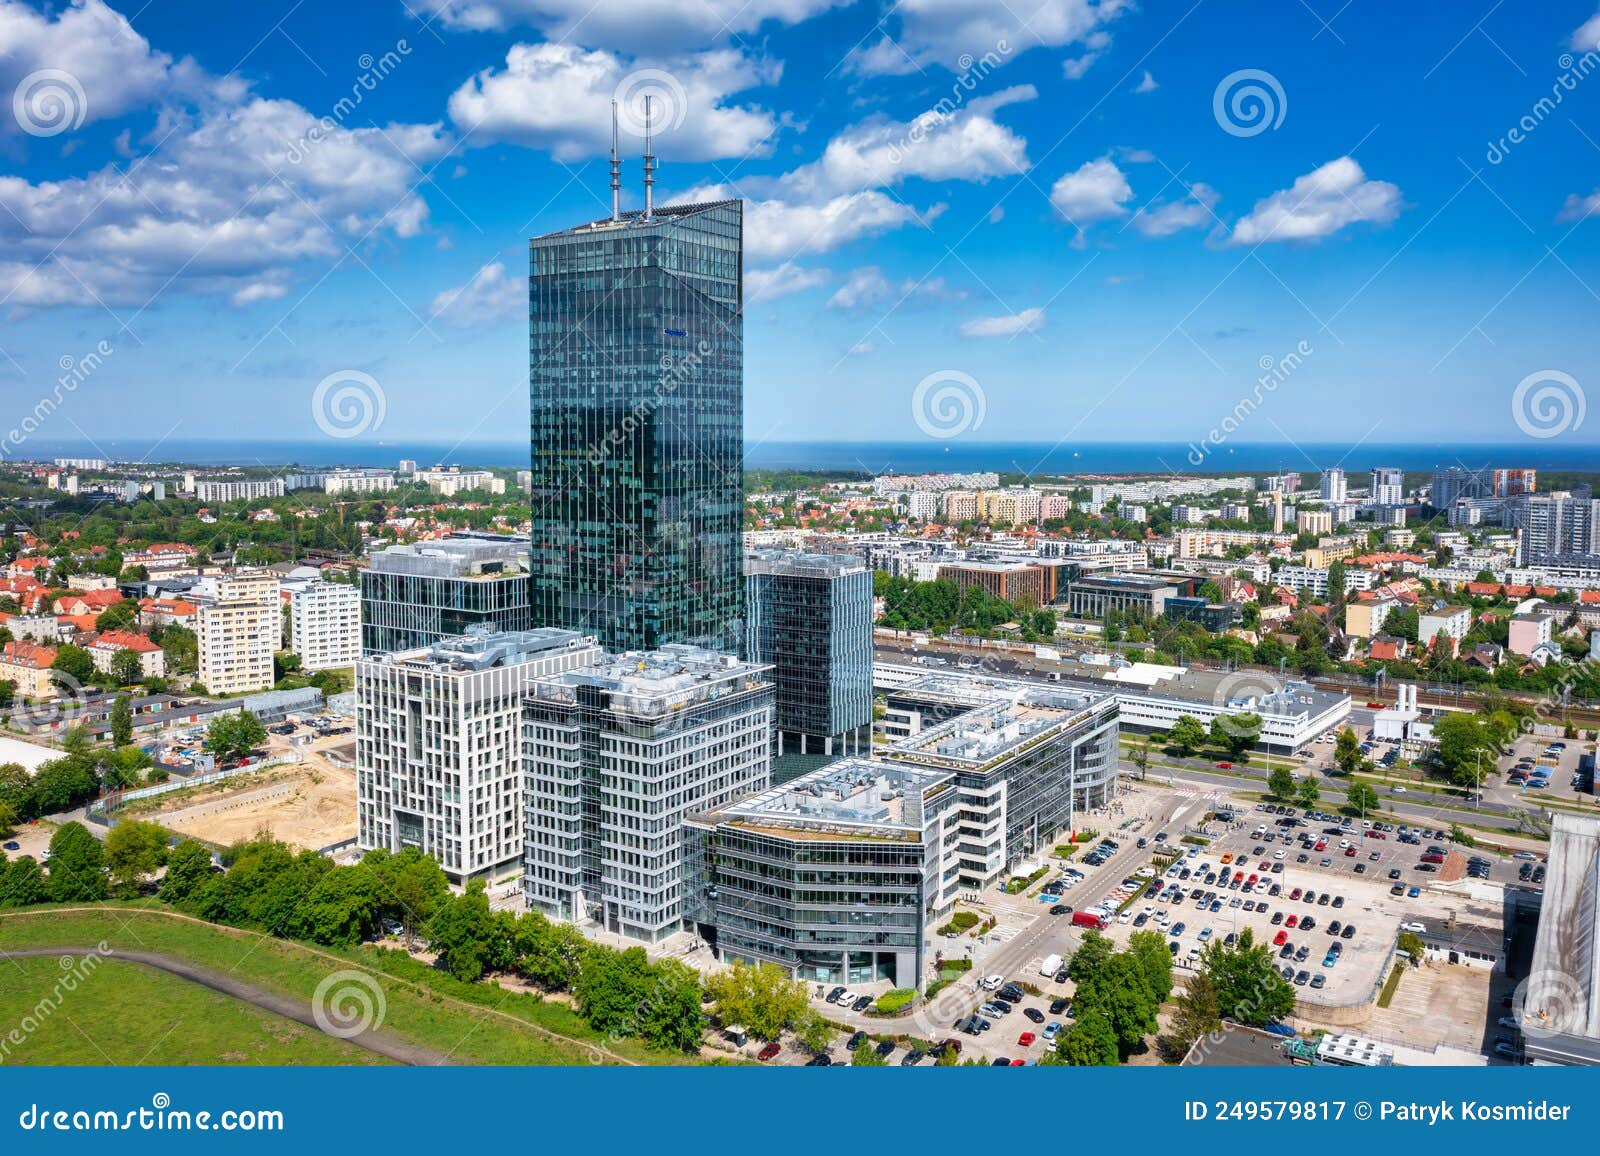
(289, 1008)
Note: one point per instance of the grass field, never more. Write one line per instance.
(123, 1014)
(470, 1024)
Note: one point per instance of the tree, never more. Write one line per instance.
(1088, 1043)
(1307, 794)
(1362, 798)
(1186, 734)
(16, 787)
(1121, 993)
(182, 649)
(134, 850)
(411, 887)
(1196, 1013)
(77, 865)
(613, 990)
(8, 817)
(1468, 747)
(672, 1016)
(1141, 757)
(1248, 986)
(1236, 733)
(234, 735)
(22, 883)
(1411, 943)
(1090, 958)
(124, 767)
(815, 1033)
(75, 663)
(122, 710)
(1281, 783)
(461, 933)
(762, 997)
(118, 616)
(188, 869)
(61, 784)
(1347, 754)
(126, 668)
(866, 1056)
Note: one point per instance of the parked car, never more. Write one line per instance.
(769, 1051)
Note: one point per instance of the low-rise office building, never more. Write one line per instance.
(414, 595)
(834, 876)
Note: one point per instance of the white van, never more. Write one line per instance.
(1050, 965)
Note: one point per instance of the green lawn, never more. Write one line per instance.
(123, 1014)
(474, 1024)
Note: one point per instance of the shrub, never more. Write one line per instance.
(893, 1002)
(1195, 840)
(959, 922)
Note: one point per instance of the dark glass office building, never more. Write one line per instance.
(419, 594)
(636, 377)
(810, 617)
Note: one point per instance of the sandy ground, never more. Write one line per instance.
(310, 806)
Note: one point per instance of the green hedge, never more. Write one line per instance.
(1195, 840)
(959, 922)
(893, 1002)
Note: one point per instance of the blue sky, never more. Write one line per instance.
(1052, 203)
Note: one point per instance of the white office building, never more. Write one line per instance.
(618, 754)
(439, 745)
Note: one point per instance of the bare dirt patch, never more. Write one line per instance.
(310, 806)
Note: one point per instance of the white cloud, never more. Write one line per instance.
(767, 284)
(221, 208)
(1096, 191)
(491, 295)
(1164, 219)
(780, 229)
(1148, 84)
(869, 286)
(1587, 37)
(631, 25)
(964, 143)
(1578, 208)
(558, 97)
(1006, 325)
(1077, 69)
(862, 348)
(1319, 204)
(945, 32)
(116, 69)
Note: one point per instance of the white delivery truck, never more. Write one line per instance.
(1051, 965)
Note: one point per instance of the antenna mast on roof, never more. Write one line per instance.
(616, 169)
(649, 167)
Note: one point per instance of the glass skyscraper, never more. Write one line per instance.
(636, 378)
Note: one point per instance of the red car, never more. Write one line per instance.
(1375, 706)
(1225, 766)
(1280, 939)
(1376, 835)
(1349, 852)
(1295, 894)
(1019, 1063)
(1292, 921)
(1322, 844)
(769, 1051)
(1026, 1039)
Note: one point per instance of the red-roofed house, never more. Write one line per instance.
(1387, 648)
(27, 567)
(28, 665)
(89, 602)
(167, 612)
(152, 660)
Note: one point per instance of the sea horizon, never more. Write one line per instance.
(868, 457)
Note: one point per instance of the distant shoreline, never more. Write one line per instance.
(926, 456)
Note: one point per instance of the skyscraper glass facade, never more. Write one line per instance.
(636, 369)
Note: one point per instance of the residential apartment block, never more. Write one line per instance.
(239, 630)
(234, 491)
(325, 625)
